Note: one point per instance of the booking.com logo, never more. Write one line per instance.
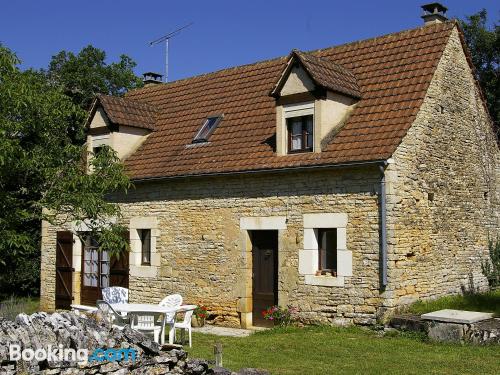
(59, 354)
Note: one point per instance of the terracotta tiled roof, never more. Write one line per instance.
(128, 112)
(328, 74)
(393, 73)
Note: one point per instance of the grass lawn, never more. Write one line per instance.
(486, 302)
(13, 306)
(354, 350)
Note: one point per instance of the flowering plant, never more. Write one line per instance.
(283, 316)
(201, 311)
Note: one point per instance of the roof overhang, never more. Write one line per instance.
(324, 73)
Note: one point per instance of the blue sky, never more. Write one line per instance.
(224, 33)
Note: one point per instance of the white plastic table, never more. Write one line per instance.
(147, 307)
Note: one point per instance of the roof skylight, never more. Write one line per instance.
(207, 129)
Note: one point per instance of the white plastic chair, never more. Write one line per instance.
(173, 301)
(115, 294)
(115, 319)
(185, 325)
(146, 322)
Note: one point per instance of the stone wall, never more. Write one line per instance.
(95, 347)
(205, 257)
(443, 204)
(203, 249)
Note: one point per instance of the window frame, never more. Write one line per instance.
(91, 246)
(142, 237)
(305, 135)
(323, 267)
(197, 138)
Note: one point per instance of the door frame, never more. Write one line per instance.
(275, 234)
(117, 269)
(248, 224)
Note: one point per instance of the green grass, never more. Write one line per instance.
(485, 302)
(330, 350)
(13, 306)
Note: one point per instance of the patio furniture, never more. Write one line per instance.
(115, 294)
(185, 325)
(110, 314)
(173, 301)
(145, 308)
(147, 322)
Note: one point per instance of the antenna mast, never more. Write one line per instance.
(166, 39)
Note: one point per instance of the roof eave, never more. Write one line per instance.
(382, 161)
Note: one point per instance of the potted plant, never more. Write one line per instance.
(200, 314)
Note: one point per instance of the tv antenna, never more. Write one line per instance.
(166, 38)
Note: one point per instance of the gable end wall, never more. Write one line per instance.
(443, 196)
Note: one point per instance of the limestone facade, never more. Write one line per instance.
(442, 207)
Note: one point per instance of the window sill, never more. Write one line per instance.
(324, 280)
(143, 271)
(295, 152)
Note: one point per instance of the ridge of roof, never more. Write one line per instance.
(163, 85)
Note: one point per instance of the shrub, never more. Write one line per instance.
(491, 265)
(283, 316)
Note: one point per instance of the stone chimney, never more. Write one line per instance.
(434, 13)
(151, 78)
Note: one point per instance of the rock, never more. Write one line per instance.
(196, 366)
(409, 323)
(447, 332)
(109, 367)
(164, 359)
(51, 371)
(70, 371)
(122, 371)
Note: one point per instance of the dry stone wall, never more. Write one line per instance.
(110, 350)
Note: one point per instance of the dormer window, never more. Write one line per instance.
(313, 97)
(299, 120)
(300, 134)
(207, 129)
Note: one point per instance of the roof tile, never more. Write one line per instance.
(392, 72)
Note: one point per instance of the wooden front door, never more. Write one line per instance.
(64, 270)
(99, 271)
(265, 273)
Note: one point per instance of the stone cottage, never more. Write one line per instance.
(346, 181)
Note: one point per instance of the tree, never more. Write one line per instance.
(86, 74)
(43, 173)
(484, 46)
